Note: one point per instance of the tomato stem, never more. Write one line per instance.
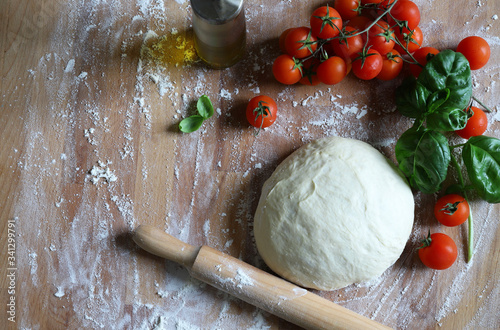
(482, 104)
(470, 243)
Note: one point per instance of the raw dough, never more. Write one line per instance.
(333, 213)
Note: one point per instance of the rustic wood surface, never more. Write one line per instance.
(101, 85)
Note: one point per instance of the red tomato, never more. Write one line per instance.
(422, 56)
(391, 66)
(300, 43)
(348, 46)
(286, 69)
(438, 251)
(326, 22)
(367, 65)
(347, 8)
(282, 40)
(310, 72)
(451, 210)
(411, 40)
(359, 22)
(332, 71)
(476, 124)
(476, 50)
(261, 111)
(407, 12)
(381, 37)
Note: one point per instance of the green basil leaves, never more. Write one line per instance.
(423, 156)
(481, 155)
(205, 110)
(437, 100)
(440, 94)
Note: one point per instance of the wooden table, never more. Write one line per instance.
(83, 88)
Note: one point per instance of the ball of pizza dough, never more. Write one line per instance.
(334, 213)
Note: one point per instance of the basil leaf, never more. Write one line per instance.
(191, 124)
(423, 156)
(481, 155)
(205, 107)
(447, 119)
(411, 98)
(436, 99)
(449, 70)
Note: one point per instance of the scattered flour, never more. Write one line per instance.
(102, 171)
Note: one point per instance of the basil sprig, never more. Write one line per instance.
(205, 110)
(437, 100)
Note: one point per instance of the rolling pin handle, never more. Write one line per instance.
(164, 245)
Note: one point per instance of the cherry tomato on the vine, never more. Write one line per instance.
(438, 251)
(367, 65)
(332, 71)
(391, 66)
(325, 22)
(261, 111)
(348, 45)
(476, 124)
(411, 40)
(451, 210)
(347, 8)
(476, 50)
(300, 42)
(381, 37)
(282, 40)
(359, 22)
(287, 70)
(407, 12)
(310, 72)
(422, 55)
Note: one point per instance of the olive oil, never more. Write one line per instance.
(219, 31)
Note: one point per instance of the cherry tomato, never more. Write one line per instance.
(391, 66)
(300, 43)
(261, 111)
(422, 56)
(332, 71)
(310, 72)
(359, 22)
(325, 22)
(367, 65)
(347, 8)
(348, 46)
(476, 124)
(411, 40)
(406, 11)
(451, 210)
(282, 40)
(381, 37)
(476, 50)
(286, 69)
(438, 251)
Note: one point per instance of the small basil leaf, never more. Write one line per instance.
(481, 155)
(449, 70)
(423, 156)
(411, 98)
(191, 124)
(205, 107)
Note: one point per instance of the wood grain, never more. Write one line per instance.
(79, 90)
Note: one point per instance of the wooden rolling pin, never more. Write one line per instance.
(251, 284)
